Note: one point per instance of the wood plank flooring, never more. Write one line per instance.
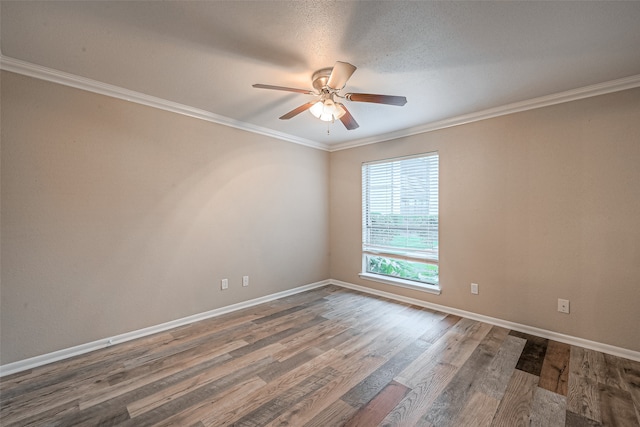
(330, 357)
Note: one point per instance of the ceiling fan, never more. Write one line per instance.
(327, 84)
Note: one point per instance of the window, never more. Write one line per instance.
(400, 221)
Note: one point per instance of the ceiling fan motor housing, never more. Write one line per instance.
(320, 78)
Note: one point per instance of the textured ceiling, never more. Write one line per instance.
(448, 58)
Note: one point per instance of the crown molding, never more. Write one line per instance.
(516, 107)
(83, 83)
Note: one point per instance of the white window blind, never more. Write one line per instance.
(400, 207)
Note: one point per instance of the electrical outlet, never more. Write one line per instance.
(245, 280)
(563, 305)
(224, 284)
(474, 288)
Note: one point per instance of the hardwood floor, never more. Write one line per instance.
(330, 357)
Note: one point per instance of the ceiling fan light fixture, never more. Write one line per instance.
(326, 110)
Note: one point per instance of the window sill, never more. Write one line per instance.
(431, 289)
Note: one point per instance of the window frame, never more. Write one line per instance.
(420, 256)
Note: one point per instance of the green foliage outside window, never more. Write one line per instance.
(410, 270)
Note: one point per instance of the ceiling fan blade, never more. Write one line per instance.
(288, 89)
(340, 74)
(377, 99)
(347, 119)
(296, 111)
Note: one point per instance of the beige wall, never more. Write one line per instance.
(117, 216)
(534, 206)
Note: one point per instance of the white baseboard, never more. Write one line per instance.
(34, 362)
(567, 339)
